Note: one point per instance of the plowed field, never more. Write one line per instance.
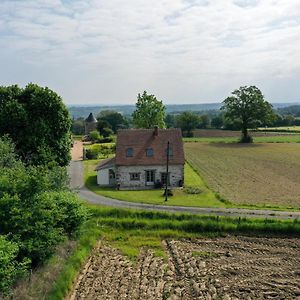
(208, 268)
(256, 174)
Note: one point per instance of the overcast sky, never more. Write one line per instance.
(183, 51)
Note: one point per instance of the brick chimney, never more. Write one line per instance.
(155, 132)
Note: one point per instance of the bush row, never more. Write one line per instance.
(37, 212)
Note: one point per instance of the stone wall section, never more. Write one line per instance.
(124, 182)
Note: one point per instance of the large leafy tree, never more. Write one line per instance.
(149, 112)
(111, 119)
(247, 108)
(187, 121)
(37, 121)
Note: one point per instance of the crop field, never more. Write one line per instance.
(256, 174)
(261, 133)
(205, 268)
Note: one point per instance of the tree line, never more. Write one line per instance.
(245, 109)
(37, 209)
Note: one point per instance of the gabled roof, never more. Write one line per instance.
(106, 163)
(91, 118)
(141, 139)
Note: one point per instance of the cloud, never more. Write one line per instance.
(181, 50)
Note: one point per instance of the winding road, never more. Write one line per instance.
(77, 184)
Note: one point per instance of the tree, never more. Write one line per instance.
(204, 121)
(170, 121)
(38, 122)
(187, 121)
(247, 108)
(217, 121)
(149, 112)
(78, 126)
(111, 119)
(106, 132)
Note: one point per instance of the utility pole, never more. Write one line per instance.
(167, 180)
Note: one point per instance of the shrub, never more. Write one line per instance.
(106, 132)
(10, 268)
(94, 135)
(105, 140)
(91, 153)
(192, 190)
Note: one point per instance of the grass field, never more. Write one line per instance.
(288, 128)
(206, 198)
(255, 174)
(281, 138)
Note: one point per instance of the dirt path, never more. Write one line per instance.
(77, 151)
(219, 268)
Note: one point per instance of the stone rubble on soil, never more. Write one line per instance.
(258, 268)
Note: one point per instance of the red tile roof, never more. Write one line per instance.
(141, 139)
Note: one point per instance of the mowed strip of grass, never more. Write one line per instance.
(263, 175)
(131, 230)
(206, 198)
(285, 138)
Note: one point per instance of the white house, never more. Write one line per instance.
(141, 157)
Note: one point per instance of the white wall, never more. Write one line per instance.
(123, 175)
(103, 177)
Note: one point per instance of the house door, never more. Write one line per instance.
(112, 177)
(150, 177)
(164, 178)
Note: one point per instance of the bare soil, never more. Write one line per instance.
(209, 268)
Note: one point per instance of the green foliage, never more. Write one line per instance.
(106, 132)
(38, 122)
(100, 150)
(149, 112)
(94, 135)
(10, 268)
(37, 211)
(8, 158)
(78, 127)
(187, 121)
(247, 108)
(111, 119)
(192, 190)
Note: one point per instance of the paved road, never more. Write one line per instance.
(76, 175)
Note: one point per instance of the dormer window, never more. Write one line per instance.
(149, 152)
(129, 152)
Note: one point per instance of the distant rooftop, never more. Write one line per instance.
(91, 118)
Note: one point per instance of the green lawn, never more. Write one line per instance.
(288, 138)
(206, 198)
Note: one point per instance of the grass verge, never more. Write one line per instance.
(288, 138)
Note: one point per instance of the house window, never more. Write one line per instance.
(170, 151)
(150, 176)
(149, 152)
(164, 178)
(134, 176)
(129, 152)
